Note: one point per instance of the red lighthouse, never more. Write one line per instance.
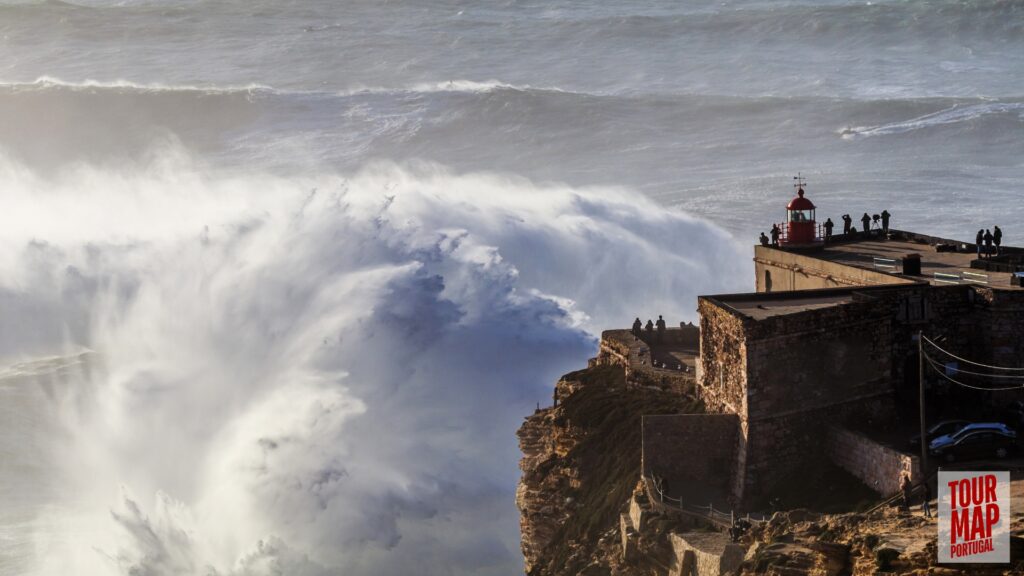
(801, 228)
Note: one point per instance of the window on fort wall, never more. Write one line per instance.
(913, 309)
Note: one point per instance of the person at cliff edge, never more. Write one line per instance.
(661, 328)
(866, 221)
(828, 229)
(649, 328)
(978, 240)
(637, 327)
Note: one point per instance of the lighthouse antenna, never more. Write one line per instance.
(800, 180)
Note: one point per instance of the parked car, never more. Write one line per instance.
(948, 438)
(976, 441)
(943, 428)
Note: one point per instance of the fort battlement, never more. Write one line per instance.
(828, 344)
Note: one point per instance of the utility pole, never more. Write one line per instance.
(920, 397)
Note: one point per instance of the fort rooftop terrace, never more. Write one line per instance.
(886, 255)
(865, 260)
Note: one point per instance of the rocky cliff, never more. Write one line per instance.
(581, 462)
(582, 511)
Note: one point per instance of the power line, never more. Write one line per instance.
(941, 371)
(960, 383)
(954, 356)
(949, 368)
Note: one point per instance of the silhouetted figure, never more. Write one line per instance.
(997, 239)
(828, 229)
(661, 328)
(649, 328)
(865, 220)
(979, 240)
(775, 234)
(764, 239)
(988, 243)
(875, 221)
(637, 327)
(739, 527)
(906, 488)
(926, 500)
(847, 223)
(885, 221)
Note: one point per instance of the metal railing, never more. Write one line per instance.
(885, 263)
(974, 277)
(914, 490)
(719, 518)
(819, 233)
(893, 499)
(971, 277)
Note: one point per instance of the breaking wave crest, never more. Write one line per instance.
(454, 86)
(248, 374)
(953, 115)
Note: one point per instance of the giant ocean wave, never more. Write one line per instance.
(263, 375)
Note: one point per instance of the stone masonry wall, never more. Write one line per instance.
(819, 358)
(877, 465)
(1001, 342)
(621, 348)
(722, 365)
(794, 271)
(778, 448)
(710, 553)
(693, 454)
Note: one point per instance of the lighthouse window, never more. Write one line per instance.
(801, 215)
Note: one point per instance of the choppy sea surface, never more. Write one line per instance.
(279, 279)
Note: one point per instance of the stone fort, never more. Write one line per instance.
(822, 354)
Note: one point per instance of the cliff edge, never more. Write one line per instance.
(581, 462)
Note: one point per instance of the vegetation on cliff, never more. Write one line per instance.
(582, 465)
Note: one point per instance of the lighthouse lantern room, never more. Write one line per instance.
(801, 227)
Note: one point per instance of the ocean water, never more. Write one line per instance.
(279, 279)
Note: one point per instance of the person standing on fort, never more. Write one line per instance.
(661, 328)
(847, 223)
(763, 239)
(649, 328)
(865, 220)
(637, 327)
(997, 238)
(775, 235)
(988, 243)
(828, 229)
(978, 240)
(885, 222)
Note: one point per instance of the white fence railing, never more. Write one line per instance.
(718, 517)
(885, 263)
(969, 277)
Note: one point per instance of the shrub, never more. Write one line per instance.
(884, 558)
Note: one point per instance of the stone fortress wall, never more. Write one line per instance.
(793, 375)
(876, 465)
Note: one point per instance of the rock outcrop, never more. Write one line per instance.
(581, 462)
